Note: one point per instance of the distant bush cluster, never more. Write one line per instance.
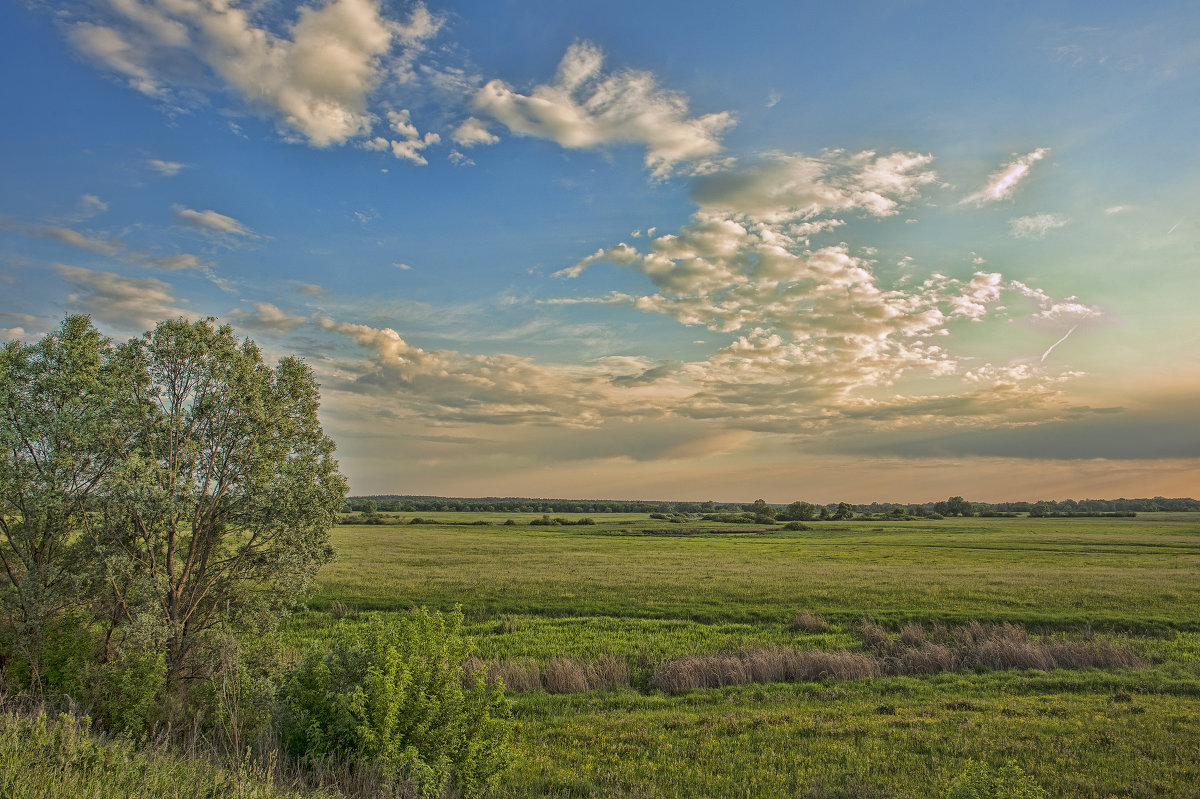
(546, 521)
(756, 511)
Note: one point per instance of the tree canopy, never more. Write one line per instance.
(169, 490)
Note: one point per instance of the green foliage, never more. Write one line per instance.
(220, 515)
(394, 694)
(61, 429)
(980, 781)
(43, 757)
(126, 692)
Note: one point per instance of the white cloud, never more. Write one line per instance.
(1118, 209)
(90, 205)
(211, 220)
(1002, 184)
(586, 109)
(82, 241)
(1036, 226)
(266, 316)
(175, 263)
(311, 289)
(797, 187)
(1055, 312)
(113, 50)
(410, 143)
(818, 334)
(166, 168)
(474, 132)
(126, 303)
(316, 80)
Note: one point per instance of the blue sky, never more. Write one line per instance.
(865, 250)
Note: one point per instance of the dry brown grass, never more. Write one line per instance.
(562, 675)
(987, 648)
(764, 665)
(518, 675)
(809, 622)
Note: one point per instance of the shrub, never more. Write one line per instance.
(980, 781)
(394, 696)
(126, 692)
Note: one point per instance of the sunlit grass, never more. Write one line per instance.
(619, 589)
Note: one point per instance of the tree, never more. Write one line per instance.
(801, 511)
(957, 506)
(62, 434)
(844, 511)
(219, 516)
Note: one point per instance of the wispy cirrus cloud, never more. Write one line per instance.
(586, 108)
(82, 241)
(1003, 183)
(1036, 226)
(212, 221)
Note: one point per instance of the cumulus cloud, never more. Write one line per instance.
(1003, 183)
(474, 132)
(450, 386)
(1036, 226)
(817, 331)
(410, 141)
(212, 221)
(587, 109)
(126, 303)
(315, 79)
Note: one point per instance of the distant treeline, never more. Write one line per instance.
(955, 506)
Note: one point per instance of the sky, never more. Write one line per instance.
(872, 250)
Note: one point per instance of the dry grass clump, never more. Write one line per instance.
(986, 648)
(875, 638)
(809, 622)
(562, 675)
(764, 665)
(912, 634)
(518, 675)
(928, 659)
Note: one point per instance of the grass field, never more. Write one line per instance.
(647, 591)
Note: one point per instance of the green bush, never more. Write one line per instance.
(980, 781)
(394, 695)
(126, 692)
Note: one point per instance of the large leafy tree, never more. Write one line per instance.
(62, 434)
(166, 493)
(221, 516)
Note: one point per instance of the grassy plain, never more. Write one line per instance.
(640, 589)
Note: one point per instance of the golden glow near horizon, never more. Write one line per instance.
(608, 253)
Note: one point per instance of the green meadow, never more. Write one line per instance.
(641, 592)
